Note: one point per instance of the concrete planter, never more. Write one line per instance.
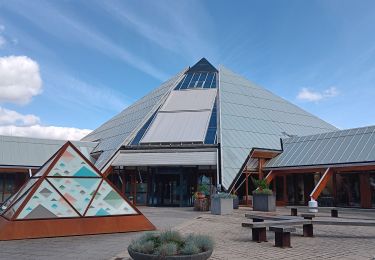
(141, 256)
(264, 202)
(221, 206)
(236, 203)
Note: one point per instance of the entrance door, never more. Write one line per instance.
(167, 190)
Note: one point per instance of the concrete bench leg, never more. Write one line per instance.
(259, 234)
(334, 213)
(293, 212)
(282, 239)
(308, 230)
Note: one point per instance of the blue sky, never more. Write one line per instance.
(96, 57)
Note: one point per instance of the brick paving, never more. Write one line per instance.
(232, 240)
(98, 247)
(330, 242)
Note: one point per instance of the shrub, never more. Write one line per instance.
(167, 249)
(171, 236)
(170, 242)
(223, 195)
(190, 249)
(264, 191)
(146, 247)
(262, 187)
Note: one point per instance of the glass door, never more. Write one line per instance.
(167, 190)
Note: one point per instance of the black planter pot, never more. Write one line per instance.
(141, 256)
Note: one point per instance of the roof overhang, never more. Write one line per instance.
(166, 157)
(264, 153)
(339, 167)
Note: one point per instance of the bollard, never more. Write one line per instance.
(313, 206)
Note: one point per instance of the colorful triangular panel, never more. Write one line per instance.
(46, 202)
(71, 164)
(68, 187)
(42, 170)
(108, 201)
(78, 191)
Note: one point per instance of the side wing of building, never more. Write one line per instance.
(253, 117)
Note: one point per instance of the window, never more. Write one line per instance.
(198, 80)
(212, 127)
(142, 131)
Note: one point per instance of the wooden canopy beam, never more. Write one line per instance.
(321, 184)
(270, 176)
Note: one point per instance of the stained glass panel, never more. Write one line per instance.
(42, 170)
(71, 164)
(108, 202)
(78, 191)
(46, 203)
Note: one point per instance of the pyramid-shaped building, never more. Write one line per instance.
(197, 128)
(68, 196)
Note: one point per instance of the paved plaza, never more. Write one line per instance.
(232, 240)
(98, 247)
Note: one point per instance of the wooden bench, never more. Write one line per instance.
(282, 235)
(259, 233)
(345, 223)
(308, 215)
(266, 217)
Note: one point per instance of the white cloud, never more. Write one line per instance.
(49, 132)
(10, 117)
(331, 92)
(314, 96)
(20, 79)
(16, 124)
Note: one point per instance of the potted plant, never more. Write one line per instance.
(201, 202)
(263, 197)
(171, 245)
(221, 204)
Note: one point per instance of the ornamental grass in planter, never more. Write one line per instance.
(171, 245)
(263, 197)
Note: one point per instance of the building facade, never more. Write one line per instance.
(206, 126)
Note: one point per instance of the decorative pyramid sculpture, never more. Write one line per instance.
(68, 196)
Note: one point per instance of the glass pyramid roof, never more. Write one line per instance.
(67, 186)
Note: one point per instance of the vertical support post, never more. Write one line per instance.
(247, 188)
(285, 194)
(308, 230)
(134, 188)
(181, 190)
(365, 190)
(123, 184)
(259, 234)
(334, 189)
(260, 168)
